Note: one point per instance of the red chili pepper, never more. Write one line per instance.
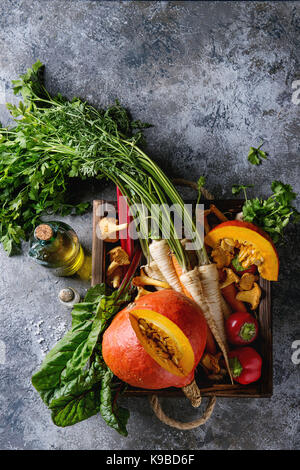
(245, 364)
(241, 328)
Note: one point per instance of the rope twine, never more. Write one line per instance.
(191, 391)
(173, 423)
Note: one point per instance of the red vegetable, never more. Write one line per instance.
(241, 328)
(245, 364)
(127, 243)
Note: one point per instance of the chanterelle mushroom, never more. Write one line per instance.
(221, 257)
(247, 281)
(108, 229)
(118, 257)
(143, 280)
(115, 279)
(210, 362)
(250, 296)
(141, 292)
(231, 277)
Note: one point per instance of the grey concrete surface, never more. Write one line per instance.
(213, 78)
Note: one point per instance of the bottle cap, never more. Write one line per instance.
(44, 232)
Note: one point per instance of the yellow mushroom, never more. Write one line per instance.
(227, 244)
(143, 280)
(231, 278)
(210, 363)
(115, 279)
(118, 257)
(141, 292)
(221, 257)
(108, 228)
(247, 280)
(252, 296)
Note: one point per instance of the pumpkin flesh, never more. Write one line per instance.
(163, 341)
(248, 234)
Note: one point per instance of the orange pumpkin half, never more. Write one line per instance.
(250, 234)
(157, 341)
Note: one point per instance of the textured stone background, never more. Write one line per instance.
(214, 78)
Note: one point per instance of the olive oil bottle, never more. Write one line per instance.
(56, 246)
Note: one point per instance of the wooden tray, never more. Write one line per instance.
(261, 389)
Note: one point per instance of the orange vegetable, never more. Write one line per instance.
(254, 239)
(152, 344)
(178, 270)
(229, 293)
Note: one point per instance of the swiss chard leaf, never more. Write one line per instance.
(79, 399)
(115, 416)
(71, 376)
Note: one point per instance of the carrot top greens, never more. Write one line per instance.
(54, 140)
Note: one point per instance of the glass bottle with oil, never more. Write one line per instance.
(55, 245)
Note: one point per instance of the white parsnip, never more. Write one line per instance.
(210, 285)
(152, 270)
(207, 295)
(209, 277)
(160, 252)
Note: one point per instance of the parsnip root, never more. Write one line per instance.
(207, 296)
(160, 252)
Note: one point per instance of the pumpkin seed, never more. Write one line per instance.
(163, 345)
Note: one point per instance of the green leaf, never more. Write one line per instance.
(79, 399)
(236, 264)
(201, 182)
(72, 374)
(255, 155)
(237, 188)
(116, 417)
(37, 66)
(7, 243)
(275, 213)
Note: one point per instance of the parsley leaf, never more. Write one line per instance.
(255, 155)
(275, 213)
(237, 188)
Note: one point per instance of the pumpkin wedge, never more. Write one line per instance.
(157, 341)
(256, 244)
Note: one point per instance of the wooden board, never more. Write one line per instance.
(261, 389)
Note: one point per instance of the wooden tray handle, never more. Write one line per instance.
(191, 391)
